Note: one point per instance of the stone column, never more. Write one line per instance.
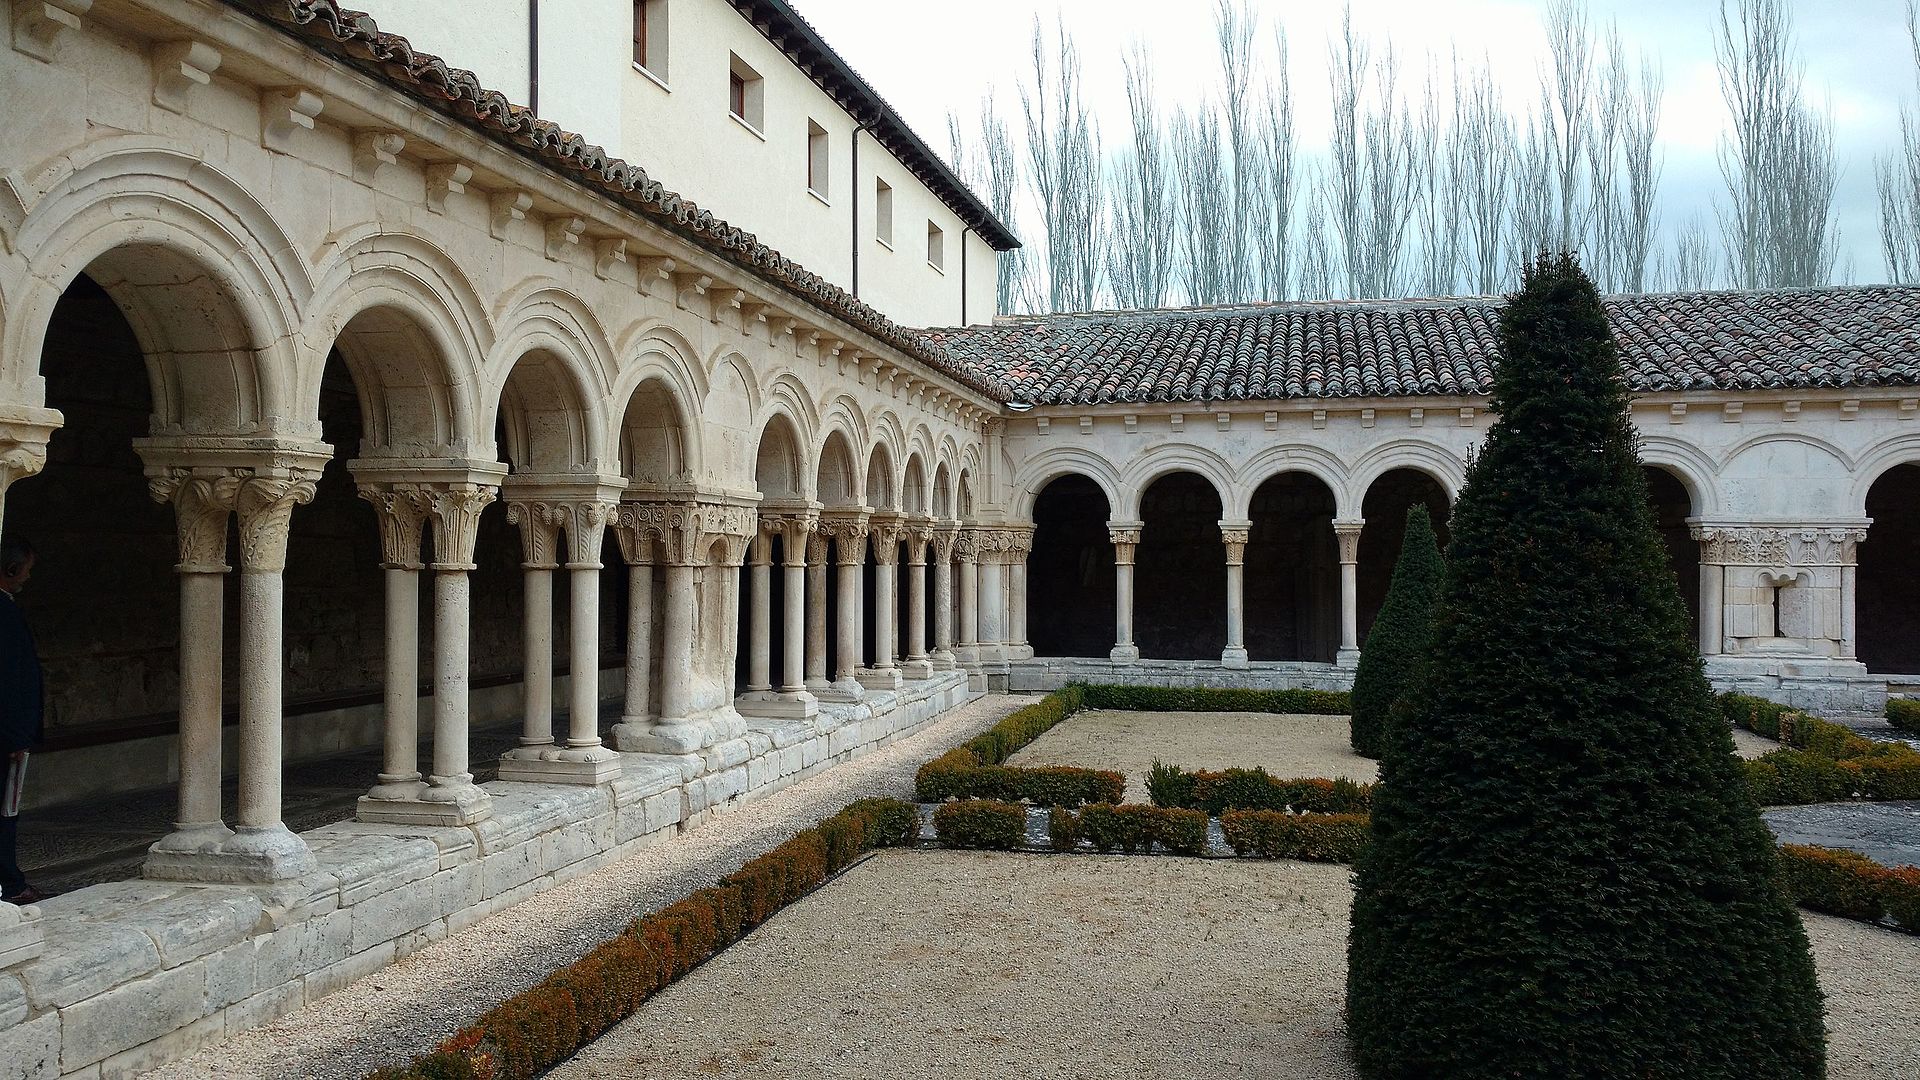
(1233, 534)
(816, 571)
(794, 545)
(1019, 544)
(1713, 580)
(943, 538)
(201, 511)
(993, 596)
(1126, 540)
(264, 506)
(451, 797)
(402, 512)
(850, 553)
(585, 760)
(1347, 532)
(636, 547)
(967, 547)
(918, 535)
(760, 614)
(539, 535)
(885, 537)
(791, 700)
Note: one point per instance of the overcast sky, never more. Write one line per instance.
(927, 60)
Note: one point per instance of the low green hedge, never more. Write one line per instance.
(1272, 834)
(974, 770)
(1849, 884)
(1253, 789)
(1131, 828)
(1210, 699)
(544, 1025)
(1821, 761)
(980, 823)
(1904, 714)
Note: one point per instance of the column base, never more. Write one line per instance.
(461, 803)
(778, 704)
(1020, 652)
(916, 669)
(943, 661)
(841, 691)
(587, 766)
(1124, 654)
(689, 735)
(1347, 658)
(879, 678)
(248, 855)
(1233, 657)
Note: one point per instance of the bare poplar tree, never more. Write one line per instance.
(1436, 168)
(1778, 163)
(1140, 257)
(1484, 147)
(1530, 228)
(1234, 28)
(1897, 181)
(1278, 195)
(1316, 256)
(1366, 189)
(1567, 122)
(1691, 263)
(1063, 146)
(1206, 201)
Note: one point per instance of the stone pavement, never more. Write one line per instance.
(1887, 832)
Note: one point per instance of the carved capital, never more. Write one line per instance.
(402, 512)
(539, 523)
(944, 540)
(456, 512)
(265, 508)
(919, 535)
(1235, 539)
(1779, 546)
(686, 533)
(849, 534)
(201, 506)
(817, 542)
(795, 531)
(886, 542)
(586, 526)
(1348, 534)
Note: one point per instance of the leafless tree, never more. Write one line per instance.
(1567, 122)
(1897, 181)
(1316, 255)
(1278, 187)
(1484, 147)
(1778, 163)
(1234, 31)
(1691, 263)
(1436, 170)
(1140, 256)
(1530, 228)
(1063, 146)
(1206, 201)
(995, 169)
(1366, 191)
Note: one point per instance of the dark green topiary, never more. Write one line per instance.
(1567, 876)
(1397, 645)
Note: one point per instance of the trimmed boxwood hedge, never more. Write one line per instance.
(1213, 699)
(1273, 834)
(974, 770)
(1849, 884)
(980, 823)
(544, 1025)
(1253, 789)
(1130, 828)
(1820, 761)
(1904, 714)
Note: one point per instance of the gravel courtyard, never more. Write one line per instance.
(1128, 742)
(970, 964)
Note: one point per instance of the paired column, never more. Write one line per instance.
(1233, 534)
(1713, 581)
(792, 699)
(672, 534)
(992, 626)
(967, 548)
(637, 548)
(943, 543)
(1126, 540)
(818, 541)
(885, 537)
(918, 535)
(1347, 532)
(849, 533)
(1019, 544)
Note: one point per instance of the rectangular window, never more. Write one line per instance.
(882, 212)
(650, 36)
(816, 159)
(936, 248)
(744, 93)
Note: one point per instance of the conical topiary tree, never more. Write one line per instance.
(1397, 644)
(1567, 876)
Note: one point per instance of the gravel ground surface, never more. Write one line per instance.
(425, 997)
(969, 964)
(1746, 744)
(1128, 742)
(939, 964)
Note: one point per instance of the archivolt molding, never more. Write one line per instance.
(1055, 462)
(743, 370)
(1441, 463)
(1173, 458)
(1286, 458)
(590, 447)
(668, 349)
(1903, 449)
(1733, 454)
(1693, 467)
(560, 314)
(785, 394)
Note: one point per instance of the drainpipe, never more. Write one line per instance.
(853, 170)
(965, 229)
(533, 56)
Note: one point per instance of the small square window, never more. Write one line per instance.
(744, 93)
(817, 159)
(650, 36)
(936, 247)
(882, 211)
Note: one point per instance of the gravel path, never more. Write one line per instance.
(1747, 744)
(1128, 742)
(968, 964)
(427, 996)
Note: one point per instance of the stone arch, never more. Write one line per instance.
(1887, 609)
(1180, 567)
(1173, 458)
(1070, 571)
(1672, 500)
(1315, 461)
(914, 496)
(1688, 464)
(210, 284)
(786, 394)
(780, 467)
(659, 447)
(1436, 462)
(1041, 469)
(545, 411)
(943, 492)
(839, 482)
(1786, 477)
(657, 345)
(1875, 462)
(882, 489)
(1384, 502)
(413, 335)
(1292, 575)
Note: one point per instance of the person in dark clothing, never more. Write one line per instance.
(21, 701)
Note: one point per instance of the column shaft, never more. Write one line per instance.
(849, 630)
(202, 618)
(943, 613)
(1123, 610)
(816, 577)
(917, 611)
(760, 628)
(403, 677)
(639, 642)
(676, 660)
(970, 605)
(583, 657)
(537, 642)
(993, 599)
(793, 642)
(1712, 608)
(1349, 607)
(450, 666)
(885, 575)
(1236, 611)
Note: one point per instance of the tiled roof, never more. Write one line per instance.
(1811, 338)
(354, 38)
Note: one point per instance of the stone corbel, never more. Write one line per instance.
(652, 272)
(690, 289)
(563, 235)
(608, 252)
(446, 178)
(284, 112)
(373, 151)
(727, 299)
(180, 68)
(505, 208)
(38, 24)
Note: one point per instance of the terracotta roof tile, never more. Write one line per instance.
(1802, 338)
